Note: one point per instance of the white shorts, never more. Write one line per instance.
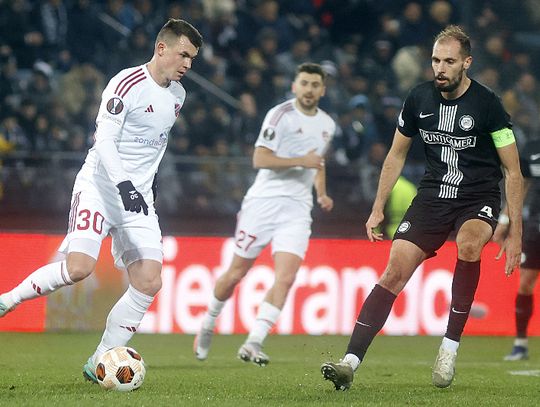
(97, 211)
(284, 221)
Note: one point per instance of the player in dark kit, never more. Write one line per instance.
(530, 261)
(467, 136)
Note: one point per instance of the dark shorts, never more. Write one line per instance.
(428, 221)
(530, 257)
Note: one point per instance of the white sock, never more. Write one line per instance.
(41, 282)
(123, 320)
(266, 318)
(352, 360)
(450, 345)
(521, 342)
(214, 309)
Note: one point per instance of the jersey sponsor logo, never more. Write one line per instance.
(466, 122)
(115, 106)
(457, 143)
(423, 115)
(403, 227)
(269, 134)
(116, 120)
(152, 142)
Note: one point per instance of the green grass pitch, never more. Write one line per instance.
(45, 369)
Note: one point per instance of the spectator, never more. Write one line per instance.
(359, 132)
(86, 42)
(21, 33)
(299, 53)
(39, 87)
(53, 21)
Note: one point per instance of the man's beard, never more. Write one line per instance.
(307, 105)
(452, 85)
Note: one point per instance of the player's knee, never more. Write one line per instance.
(150, 286)
(235, 274)
(78, 271)
(286, 280)
(526, 287)
(393, 280)
(469, 250)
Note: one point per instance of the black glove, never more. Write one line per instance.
(131, 198)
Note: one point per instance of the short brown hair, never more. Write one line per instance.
(455, 32)
(312, 68)
(176, 28)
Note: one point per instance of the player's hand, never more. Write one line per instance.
(325, 202)
(313, 160)
(511, 246)
(372, 224)
(131, 198)
(500, 233)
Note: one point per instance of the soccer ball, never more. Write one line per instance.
(121, 369)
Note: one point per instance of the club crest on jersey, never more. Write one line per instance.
(177, 107)
(403, 227)
(269, 134)
(466, 122)
(115, 106)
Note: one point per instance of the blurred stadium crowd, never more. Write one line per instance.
(56, 57)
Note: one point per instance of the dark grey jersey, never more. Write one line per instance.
(461, 158)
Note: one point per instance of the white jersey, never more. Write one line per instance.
(290, 133)
(138, 114)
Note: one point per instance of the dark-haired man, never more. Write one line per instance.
(113, 194)
(289, 155)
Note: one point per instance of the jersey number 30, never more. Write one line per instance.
(83, 221)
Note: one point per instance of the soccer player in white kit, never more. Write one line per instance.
(289, 152)
(113, 191)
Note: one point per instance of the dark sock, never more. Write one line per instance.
(373, 315)
(524, 308)
(464, 285)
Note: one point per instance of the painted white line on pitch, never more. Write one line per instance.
(525, 372)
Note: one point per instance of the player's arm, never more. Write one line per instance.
(111, 116)
(391, 169)
(325, 202)
(108, 154)
(264, 157)
(513, 181)
(504, 220)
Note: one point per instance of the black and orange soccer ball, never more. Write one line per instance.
(121, 369)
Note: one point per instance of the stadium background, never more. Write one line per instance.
(56, 56)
